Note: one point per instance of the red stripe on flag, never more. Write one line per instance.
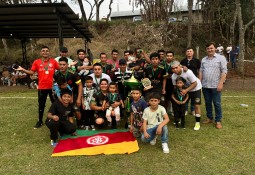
(92, 141)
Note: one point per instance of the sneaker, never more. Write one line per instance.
(38, 125)
(154, 141)
(193, 113)
(183, 126)
(86, 128)
(177, 126)
(93, 128)
(80, 127)
(165, 148)
(186, 113)
(197, 126)
(53, 143)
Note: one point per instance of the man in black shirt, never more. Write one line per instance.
(193, 64)
(155, 73)
(74, 81)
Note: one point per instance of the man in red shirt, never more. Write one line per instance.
(45, 67)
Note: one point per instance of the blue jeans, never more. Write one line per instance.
(211, 95)
(152, 133)
(192, 106)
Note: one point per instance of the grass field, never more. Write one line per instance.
(230, 150)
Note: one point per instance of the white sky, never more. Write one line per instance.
(104, 8)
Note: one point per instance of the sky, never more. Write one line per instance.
(122, 5)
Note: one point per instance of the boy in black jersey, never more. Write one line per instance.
(61, 117)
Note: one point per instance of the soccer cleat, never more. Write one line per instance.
(193, 113)
(186, 113)
(165, 148)
(197, 126)
(38, 125)
(154, 141)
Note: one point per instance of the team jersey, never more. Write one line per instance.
(45, 70)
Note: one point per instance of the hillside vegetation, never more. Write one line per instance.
(122, 36)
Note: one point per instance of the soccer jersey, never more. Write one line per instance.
(45, 70)
(156, 77)
(87, 95)
(72, 79)
(137, 109)
(63, 112)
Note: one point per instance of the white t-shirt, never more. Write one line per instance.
(154, 118)
(69, 60)
(97, 80)
(189, 77)
(228, 49)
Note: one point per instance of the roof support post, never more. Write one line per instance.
(60, 31)
(24, 50)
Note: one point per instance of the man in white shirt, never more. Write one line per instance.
(64, 53)
(98, 75)
(193, 85)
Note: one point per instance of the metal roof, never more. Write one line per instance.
(126, 13)
(41, 20)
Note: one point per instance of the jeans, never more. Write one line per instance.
(152, 133)
(211, 95)
(192, 106)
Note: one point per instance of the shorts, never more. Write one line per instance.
(195, 97)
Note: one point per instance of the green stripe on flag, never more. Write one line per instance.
(81, 133)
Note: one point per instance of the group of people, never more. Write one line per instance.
(95, 94)
(232, 53)
(11, 77)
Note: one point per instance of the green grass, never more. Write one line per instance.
(208, 151)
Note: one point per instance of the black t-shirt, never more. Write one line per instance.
(194, 65)
(57, 108)
(71, 79)
(138, 74)
(168, 76)
(119, 77)
(156, 77)
(178, 96)
(97, 99)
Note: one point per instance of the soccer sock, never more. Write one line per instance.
(197, 117)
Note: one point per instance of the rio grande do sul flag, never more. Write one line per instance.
(93, 143)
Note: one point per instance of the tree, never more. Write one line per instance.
(242, 29)
(98, 4)
(190, 6)
(110, 11)
(155, 10)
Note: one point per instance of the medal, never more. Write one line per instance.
(46, 72)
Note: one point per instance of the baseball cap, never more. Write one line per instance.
(122, 61)
(63, 49)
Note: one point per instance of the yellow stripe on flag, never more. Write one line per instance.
(116, 148)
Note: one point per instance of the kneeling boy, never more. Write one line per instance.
(155, 121)
(61, 117)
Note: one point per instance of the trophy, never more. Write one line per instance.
(146, 83)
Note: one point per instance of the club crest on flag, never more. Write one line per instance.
(97, 140)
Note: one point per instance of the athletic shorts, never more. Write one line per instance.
(195, 97)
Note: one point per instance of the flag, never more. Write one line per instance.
(94, 142)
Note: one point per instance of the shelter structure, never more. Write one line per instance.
(41, 20)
